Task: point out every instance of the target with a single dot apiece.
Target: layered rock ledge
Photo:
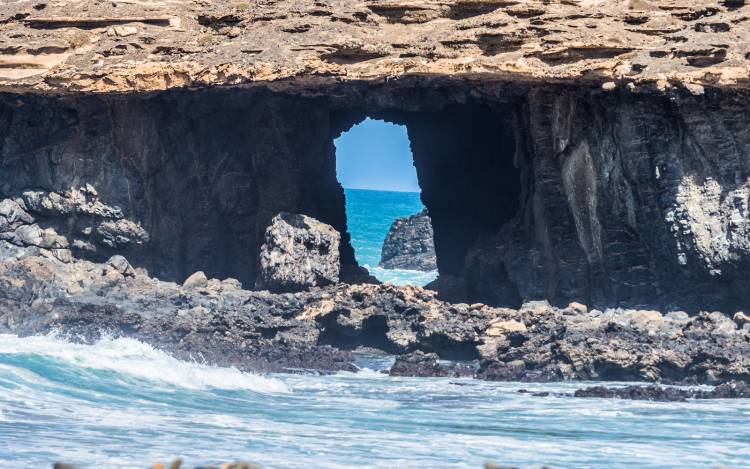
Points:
(122, 46)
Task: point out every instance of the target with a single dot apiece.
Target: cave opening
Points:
(471, 168)
(388, 226)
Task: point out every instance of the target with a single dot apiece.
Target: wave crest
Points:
(139, 360)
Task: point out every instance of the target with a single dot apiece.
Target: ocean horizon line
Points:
(381, 190)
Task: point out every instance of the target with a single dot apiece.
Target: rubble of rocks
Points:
(317, 329)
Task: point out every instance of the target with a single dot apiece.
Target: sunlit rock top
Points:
(124, 45)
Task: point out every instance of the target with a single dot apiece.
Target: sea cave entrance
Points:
(389, 227)
(468, 165)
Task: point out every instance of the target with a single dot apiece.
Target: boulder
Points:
(298, 252)
(409, 244)
(121, 265)
(195, 281)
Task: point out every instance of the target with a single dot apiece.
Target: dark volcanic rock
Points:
(639, 393)
(426, 364)
(317, 329)
(409, 244)
(299, 252)
(562, 193)
(729, 390)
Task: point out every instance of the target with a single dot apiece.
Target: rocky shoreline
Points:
(219, 322)
(311, 321)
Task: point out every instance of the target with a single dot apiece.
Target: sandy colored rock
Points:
(647, 43)
(500, 328)
(195, 281)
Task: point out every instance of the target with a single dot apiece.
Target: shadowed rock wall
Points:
(203, 173)
(556, 193)
(631, 201)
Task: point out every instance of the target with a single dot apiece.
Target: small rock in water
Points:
(728, 390)
(420, 364)
(409, 244)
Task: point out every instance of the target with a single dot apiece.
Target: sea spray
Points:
(120, 403)
(137, 359)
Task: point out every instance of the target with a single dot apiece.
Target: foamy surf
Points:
(120, 403)
(402, 277)
(139, 360)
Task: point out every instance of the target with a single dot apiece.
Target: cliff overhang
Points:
(640, 45)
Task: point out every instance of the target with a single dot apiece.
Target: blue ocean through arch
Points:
(370, 214)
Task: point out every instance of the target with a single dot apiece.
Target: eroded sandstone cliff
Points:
(158, 44)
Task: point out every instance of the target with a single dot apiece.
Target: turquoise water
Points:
(121, 404)
(369, 215)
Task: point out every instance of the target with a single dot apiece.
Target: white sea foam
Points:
(134, 358)
(402, 276)
(126, 416)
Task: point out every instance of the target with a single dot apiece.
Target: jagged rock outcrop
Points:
(46, 220)
(409, 244)
(299, 252)
(317, 329)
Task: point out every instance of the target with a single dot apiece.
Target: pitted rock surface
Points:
(318, 329)
(125, 46)
(299, 252)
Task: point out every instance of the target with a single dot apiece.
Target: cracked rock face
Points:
(299, 252)
(156, 45)
(46, 220)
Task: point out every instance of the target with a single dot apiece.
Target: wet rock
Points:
(731, 390)
(420, 364)
(416, 364)
(641, 393)
(299, 252)
(516, 370)
(728, 390)
(409, 244)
